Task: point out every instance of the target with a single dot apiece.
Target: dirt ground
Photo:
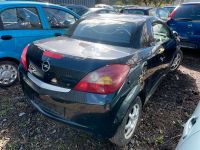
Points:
(22, 127)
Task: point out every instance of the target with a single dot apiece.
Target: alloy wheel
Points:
(8, 74)
(176, 62)
(132, 121)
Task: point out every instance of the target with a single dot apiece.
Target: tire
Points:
(120, 138)
(177, 60)
(8, 73)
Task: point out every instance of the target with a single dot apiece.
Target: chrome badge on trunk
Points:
(45, 66)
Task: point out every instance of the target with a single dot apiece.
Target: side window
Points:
(20, 18)
(160, 33)
(58, 19)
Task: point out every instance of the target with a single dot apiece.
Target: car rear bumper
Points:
(73, 108)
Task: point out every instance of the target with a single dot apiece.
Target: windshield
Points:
(191, 12)
(104, 31)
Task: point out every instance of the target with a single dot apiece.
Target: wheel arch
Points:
(10, 59)
(134, 93)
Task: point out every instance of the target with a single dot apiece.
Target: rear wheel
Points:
(177, 60)
(8, 73)
(127, 128)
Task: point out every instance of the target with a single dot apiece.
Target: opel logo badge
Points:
(45, 66)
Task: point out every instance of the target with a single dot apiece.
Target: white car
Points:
(190, 139)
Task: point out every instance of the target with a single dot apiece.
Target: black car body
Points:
(90, 78)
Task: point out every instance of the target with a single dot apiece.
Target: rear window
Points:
(133, 11)
(187, 12)
(104, 31)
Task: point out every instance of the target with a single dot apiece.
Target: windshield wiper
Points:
(185, 19)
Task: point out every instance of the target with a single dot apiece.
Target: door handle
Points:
(6, 37)
(57, 34)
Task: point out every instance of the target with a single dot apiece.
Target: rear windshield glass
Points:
(134, 11)
(187, 12)
(104, 31)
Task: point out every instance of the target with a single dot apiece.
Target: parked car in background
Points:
(101, 81)
(169, 8)
(161, 13)
(191, 133)
(185, 20)
(104, 6)
(79, 9)
(149, 11)
(118, 8)
(96, 11)
(22, 23)
(136, 10)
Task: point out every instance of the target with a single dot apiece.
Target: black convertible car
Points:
(99, 75)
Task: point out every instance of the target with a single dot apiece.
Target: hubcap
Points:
(132, 121)
(8, 74)
(176, 62)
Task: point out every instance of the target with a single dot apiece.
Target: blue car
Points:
(22, 23)
(185, 20)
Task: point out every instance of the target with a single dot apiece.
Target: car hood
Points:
(79, 48)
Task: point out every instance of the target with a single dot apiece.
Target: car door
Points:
(165, 46)
(58, 20)
(158, 63)
(20, 26)
(6, 41)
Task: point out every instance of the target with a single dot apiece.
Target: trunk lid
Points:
(78, 59)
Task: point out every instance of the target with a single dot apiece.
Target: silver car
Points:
(190, 139)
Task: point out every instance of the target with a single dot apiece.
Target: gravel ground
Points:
(22, 127)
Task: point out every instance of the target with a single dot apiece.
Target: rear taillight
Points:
(172, 13)
(23, 58)
(105, 80)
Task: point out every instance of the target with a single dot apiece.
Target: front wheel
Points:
(127, 128)
(176, 60)
(8, 73)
